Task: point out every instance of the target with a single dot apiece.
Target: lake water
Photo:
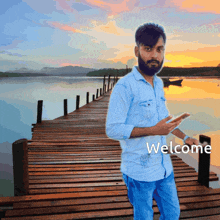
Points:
(18, 110)
(18, 107)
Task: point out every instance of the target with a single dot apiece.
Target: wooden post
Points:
(204, 162)
(65, 106)
(77, 101)
(39, 111)
(20, 167)
(105, 89)
(87, 98)
(93, 97)
(97, 93)
(109, 78)
(100, 91)
(103, 86)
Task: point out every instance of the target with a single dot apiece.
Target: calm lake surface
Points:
(18, 107)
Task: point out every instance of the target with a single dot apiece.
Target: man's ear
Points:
(136, 51)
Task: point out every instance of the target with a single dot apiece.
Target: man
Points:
(138, 118)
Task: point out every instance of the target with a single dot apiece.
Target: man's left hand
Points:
(190, 141)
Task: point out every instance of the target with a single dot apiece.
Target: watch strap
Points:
(184, 139)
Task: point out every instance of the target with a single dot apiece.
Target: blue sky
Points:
(100, 33)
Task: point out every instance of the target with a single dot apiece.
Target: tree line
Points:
(166, 71)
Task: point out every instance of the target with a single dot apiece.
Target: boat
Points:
(167, 82)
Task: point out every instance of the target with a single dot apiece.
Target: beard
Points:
(147, 69)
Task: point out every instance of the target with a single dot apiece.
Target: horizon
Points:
(100, 34)
(110, 68)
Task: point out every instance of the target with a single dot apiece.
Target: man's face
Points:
(150, 59)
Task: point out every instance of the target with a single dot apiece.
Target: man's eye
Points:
(160, 49)
(148, 49)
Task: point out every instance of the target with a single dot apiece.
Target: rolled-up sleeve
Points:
(116, 126)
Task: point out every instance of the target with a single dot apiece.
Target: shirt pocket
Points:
(146, 109)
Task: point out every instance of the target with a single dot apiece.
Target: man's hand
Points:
(164, 128)
(191, 141)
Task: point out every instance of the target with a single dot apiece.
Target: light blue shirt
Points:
(135, 103)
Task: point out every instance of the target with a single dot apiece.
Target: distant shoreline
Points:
(172, 72)
(185, 77)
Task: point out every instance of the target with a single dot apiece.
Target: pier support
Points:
(65, 107)
(109, 78)
(103, 86)
(204, 162)
(39, 111)
(87, 98)
(77, 101)
(20, 167)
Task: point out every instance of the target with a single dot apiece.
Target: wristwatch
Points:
(184, 139)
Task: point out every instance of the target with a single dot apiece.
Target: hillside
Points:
(51, 71)
(66, 71)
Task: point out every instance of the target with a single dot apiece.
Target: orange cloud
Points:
(181, 60)
(186, 46)
(193, 58)
(110, 28)
(198, 5)
(124, 59)
(64, 27)
(124, 53)
(113, 8)
(191, 54)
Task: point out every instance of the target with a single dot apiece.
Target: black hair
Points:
(148, 34)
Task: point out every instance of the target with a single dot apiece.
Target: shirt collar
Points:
(138, 76)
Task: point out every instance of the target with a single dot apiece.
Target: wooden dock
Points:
(74, 173)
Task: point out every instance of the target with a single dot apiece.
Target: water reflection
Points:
(201, 98)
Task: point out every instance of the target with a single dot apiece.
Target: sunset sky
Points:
(100, 33)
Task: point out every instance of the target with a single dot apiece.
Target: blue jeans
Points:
(141, 196)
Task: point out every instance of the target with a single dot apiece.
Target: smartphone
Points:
(181, 117)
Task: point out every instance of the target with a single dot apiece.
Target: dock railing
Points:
(100, 91)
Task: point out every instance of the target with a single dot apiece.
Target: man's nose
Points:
(154, 53)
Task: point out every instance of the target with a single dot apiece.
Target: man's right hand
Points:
(164, 128)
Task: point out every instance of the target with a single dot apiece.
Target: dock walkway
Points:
(74, 173)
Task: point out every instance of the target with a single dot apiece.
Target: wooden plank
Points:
(98, 200)
(79, 201)
(86, 178)
(62, 174)
(82, 215)
(104, 206)
(69, 209)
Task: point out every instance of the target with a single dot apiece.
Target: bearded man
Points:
(138, 117)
